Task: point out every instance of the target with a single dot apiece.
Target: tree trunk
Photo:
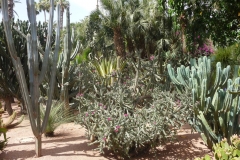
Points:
(8, 105)
(10, 8)
(38, 146)
(130, 45)
(61, 18)
(183, 22)
(12, 100)
(118, 42)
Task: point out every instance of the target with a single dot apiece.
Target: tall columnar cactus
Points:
(66, 57)
(217, 111)
(36, 76)
(8, 80)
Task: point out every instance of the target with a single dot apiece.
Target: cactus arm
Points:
(217, 79)
(10, 119)
(205, 123)
(48, 43)
(233, 110)
(17, 123)
(225, 75)
(66, 62)
(24, 36)
(53, 76)
(17, 63)
(182, 76)
(172, 75)
(75, 51)
(203, 94)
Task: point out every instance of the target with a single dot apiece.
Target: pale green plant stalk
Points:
(32, 101)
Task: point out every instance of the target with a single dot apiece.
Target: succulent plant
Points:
(37, 67)
(216, 111)
(225, 150)
(58, 115)
(3, 131)
(9, 86)
(133, 114)
(108, 68)
(9, 123)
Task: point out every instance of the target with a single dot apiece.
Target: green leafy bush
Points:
(133, 114)
(225, 151)
(227, 56)
(58, 115)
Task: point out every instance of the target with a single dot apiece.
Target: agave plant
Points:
(58, 115)
(108, 68)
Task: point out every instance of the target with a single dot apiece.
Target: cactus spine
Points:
(216, 114)
(32, 101)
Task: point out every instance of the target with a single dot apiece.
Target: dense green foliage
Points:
(199, 18)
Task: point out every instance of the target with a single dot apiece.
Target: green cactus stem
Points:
(36, 75)
(217, 114)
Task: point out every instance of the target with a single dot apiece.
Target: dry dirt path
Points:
(70, 144)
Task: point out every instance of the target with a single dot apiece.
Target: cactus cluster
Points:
(216, 112)
(67, 85)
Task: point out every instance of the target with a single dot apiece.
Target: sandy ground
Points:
(70, 144)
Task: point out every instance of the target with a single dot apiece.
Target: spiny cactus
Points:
(67, 57)
(217, 113)
(36, 75)
(9, 123)
(8, 80)
(3, 131)
(67, 84)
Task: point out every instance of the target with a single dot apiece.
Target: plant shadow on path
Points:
(181, 149)
(57, 148)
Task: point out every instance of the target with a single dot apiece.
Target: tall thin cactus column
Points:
(67, 57)
(31, 96)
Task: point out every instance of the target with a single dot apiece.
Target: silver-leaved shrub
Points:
(134, 114)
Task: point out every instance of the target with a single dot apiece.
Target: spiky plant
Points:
(58, 115)
(108, 68)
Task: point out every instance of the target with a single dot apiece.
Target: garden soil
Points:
(70, 143)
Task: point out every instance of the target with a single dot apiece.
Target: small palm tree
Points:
(43, 5)
(115, 19)
(58, 115)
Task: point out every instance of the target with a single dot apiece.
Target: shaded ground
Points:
(70, 144)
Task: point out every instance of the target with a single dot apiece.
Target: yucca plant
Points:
(58, 115)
